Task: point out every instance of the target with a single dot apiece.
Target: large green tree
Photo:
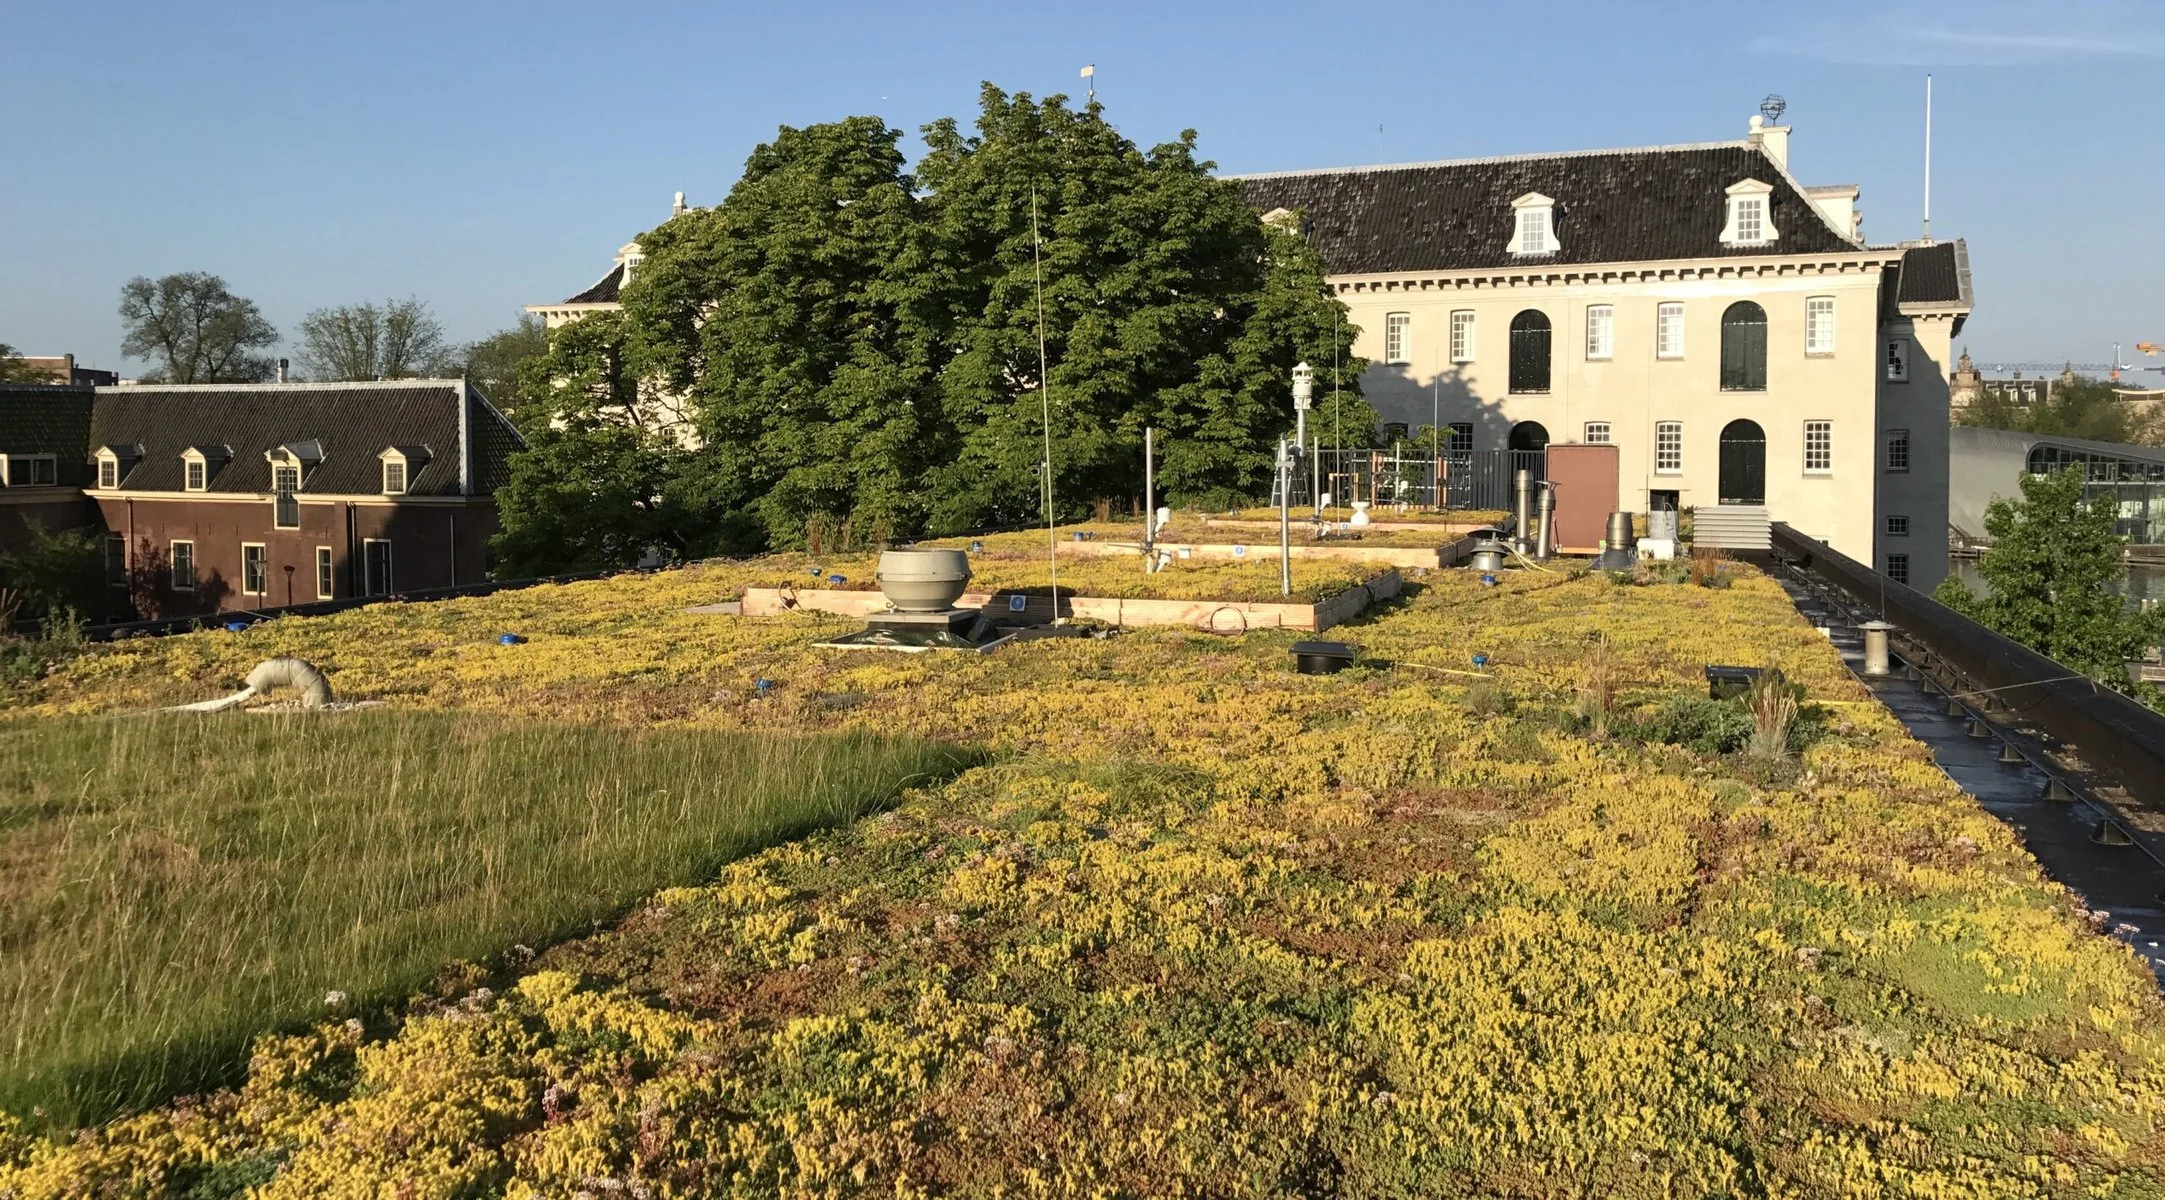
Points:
(2049, 580)
(860, 342)
(193, 329)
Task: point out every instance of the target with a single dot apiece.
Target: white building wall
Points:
(1634, 389)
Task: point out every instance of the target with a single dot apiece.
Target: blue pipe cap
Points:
(236, 626)
(977, 547)
(511, 639)
(762, 686)
(815, 572)
(837, 580)
(1480, 660)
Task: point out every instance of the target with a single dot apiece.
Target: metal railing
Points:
(1413, 476)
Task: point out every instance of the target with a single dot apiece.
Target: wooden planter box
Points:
(1223, 616)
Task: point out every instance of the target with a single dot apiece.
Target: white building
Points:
(1727, 328)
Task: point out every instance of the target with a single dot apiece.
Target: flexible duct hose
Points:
(270, 675)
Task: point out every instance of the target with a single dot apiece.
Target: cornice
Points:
(1859, 262)
(319, 498)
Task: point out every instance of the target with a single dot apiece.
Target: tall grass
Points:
(171, 885)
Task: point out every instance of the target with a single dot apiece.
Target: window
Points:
(285, 481)
(197, 475)
(1744, 348)
(1897, 526)
(1898, 360)
(1818, 447)
(1669, 331)
(1533, 229)
(1600, 331)
(1669, 448)
(255, 569)
(325, 579)
(116, 560)
(1898, 567)
(108, 471)
(394, 477)
(1819, 325)
(1898, 451)
(1461, 440)
(38, 470)
(1394, 339)
(1530, 351)
(376, 567)
(1462, 335)
(1751, 220)
(182, 555)
(1597, 433)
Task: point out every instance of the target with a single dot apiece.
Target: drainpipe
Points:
(128, 558)
(454, 549)
(350, 582)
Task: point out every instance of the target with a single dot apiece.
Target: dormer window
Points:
(194, 471)
(114, 463)
(399, 466)
(1751, 217)
(1533, 229)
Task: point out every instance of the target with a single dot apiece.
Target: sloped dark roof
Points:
(604, 291)
(1935, 274)
(352, 422)
(48, 419)
(1664, 202)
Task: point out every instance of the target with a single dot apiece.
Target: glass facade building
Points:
(2136, 486)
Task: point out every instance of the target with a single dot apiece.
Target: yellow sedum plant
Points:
(1208, 928)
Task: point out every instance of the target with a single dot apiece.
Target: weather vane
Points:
(1773, 107)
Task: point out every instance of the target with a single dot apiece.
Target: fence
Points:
(1469, 479)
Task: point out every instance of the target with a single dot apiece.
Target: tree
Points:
(598, 485)
(2082, 408)
(14, 370)
(493, 363)
(2049, 576)
(398, 340)
(55, 571)
(193, 329)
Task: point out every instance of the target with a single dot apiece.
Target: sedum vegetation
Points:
(1206, 927)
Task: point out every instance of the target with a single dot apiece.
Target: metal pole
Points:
(1315, 488)
(1285, 519)
(1150, 502)
(1044, 395)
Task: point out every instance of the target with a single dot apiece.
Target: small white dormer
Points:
(200, 464)
(399, 465)
(1533, 225)
(114, 463)
(1751, 214)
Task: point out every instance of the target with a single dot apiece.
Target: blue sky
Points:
(483, 156)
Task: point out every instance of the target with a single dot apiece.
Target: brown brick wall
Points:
(432, 546)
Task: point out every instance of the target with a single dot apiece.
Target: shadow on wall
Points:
(151, 592)
(1415, 403)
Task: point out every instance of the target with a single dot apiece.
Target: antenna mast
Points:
(1928, 159)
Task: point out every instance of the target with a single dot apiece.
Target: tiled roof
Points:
(604, 291)
(1936, 274)
(1664, 202)
(48, 419)
(352, 423)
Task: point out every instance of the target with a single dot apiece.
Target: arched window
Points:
(1530, 351)
(1744, 348)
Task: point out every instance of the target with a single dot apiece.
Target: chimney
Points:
(1773, 139)
(281, 370)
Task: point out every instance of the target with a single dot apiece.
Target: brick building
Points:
(244, 496)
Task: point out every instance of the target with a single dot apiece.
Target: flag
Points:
(1090, 71)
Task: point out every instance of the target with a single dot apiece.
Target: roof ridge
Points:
(1735, 144)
